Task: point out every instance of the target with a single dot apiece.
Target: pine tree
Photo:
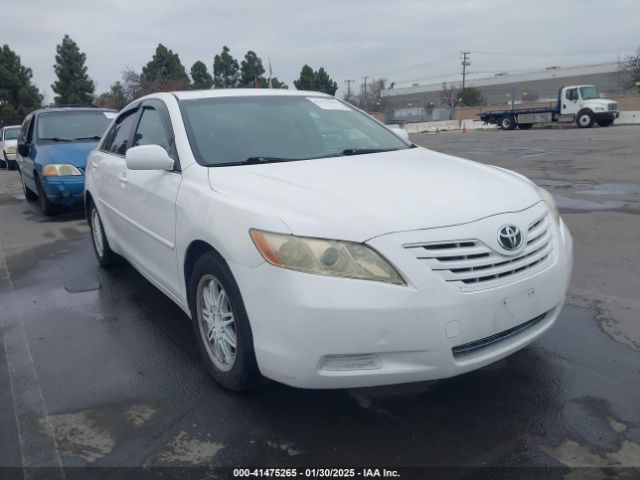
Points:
(165, 71)
(275, 83)
(319, 81)
(73, 85)
(306, 80)
(18, 96)
(225, 70)
(251, 71)
(202, 79)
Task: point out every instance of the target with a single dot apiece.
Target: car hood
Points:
(601, 102)
(73, 153)
(359, 197)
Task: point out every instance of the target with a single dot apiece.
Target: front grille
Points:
(471, 263)
(613, 107)
(477, 346)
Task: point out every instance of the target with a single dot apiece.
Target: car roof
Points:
(67, 109)
(244, 92)
(9, 126)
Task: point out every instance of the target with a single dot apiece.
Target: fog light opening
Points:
(369, 361)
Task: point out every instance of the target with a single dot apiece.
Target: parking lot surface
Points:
(98, 368)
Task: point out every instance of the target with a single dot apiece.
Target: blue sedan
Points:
(52, 148)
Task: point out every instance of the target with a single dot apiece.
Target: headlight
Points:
(599, 109)
(11, 149)
(548, 198)
(324, 257)
(59, 170)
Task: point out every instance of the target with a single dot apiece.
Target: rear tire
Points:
(508, 122)
(584, 119)
(105, 256)
(48, 208)
(221, 324)
(525, 126)
(28, 193)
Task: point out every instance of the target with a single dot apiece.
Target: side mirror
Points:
(401, 132)
(23, 149)
(148, 157)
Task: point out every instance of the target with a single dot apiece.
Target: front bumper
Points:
(299, 320)
(609, 115)
(64, 191)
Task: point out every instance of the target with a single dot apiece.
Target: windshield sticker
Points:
(110, 114)
(328, 103)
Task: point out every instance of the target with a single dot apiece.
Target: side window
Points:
(572, 94)
(151, 131)
(26, 132)
(118, 137)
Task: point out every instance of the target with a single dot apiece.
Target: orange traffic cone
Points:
(464, 128)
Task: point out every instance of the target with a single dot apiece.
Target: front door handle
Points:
(123, 178)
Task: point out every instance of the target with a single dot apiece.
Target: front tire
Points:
(221, 324)
(28, 193)
(48, 208)
(105, 256)
(508, 122)
(585, 119)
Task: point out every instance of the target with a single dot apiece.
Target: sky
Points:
(405, 41)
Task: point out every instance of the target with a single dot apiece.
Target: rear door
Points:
(147, 200)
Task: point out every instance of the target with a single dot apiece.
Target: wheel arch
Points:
(195, 250)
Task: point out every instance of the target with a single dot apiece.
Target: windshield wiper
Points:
(363, 151)
(255, 160)
(94, 137)
(56, 139)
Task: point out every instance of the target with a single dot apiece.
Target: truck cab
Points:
(582, 104)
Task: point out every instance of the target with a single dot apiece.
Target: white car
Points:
(8, 145)
(314, 246)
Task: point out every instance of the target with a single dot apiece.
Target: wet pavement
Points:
(101, 369)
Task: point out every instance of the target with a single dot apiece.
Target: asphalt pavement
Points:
(99, 369)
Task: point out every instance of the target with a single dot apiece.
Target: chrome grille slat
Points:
(471, 264)
(494, 270)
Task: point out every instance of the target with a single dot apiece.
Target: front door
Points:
(570, 101)
(148, 201)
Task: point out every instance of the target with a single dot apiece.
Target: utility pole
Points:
(349, 82)
(269, 84)
(365, 86)
(466, 61)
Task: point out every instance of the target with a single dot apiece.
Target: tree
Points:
(202, 79)
(318, 81)
(370, 99)
(629, 73)
(165, 72)
(306, 81)
(324, 83)
(275, 83)
(73, 85)
(18, 96)
(115, 98)
(471, 97)
(225, 70)
(251, 71)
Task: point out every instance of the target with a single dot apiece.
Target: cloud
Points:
(405, 41)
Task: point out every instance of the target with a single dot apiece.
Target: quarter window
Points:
(118, 140)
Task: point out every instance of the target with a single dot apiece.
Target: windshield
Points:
(73, 126)
(11, 133)
(587, 93)
(253, 129)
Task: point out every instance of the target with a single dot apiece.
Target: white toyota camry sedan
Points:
(312, 245)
